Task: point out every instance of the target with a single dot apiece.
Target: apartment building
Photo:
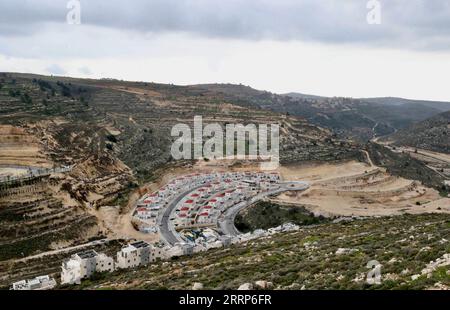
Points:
(134, 255)
(82, 265)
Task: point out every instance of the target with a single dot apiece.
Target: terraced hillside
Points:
(132, 120)
(432, 134)
(99, 142)
(35, 218)
(350, 118)
(114, 135)
(353, 189)
(19, 148)
(37, 211)
(404, 165)
(412, 250)
(442, 106)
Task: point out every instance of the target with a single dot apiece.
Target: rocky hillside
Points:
(432, 134)
(37, 211)
(412, 249)
(114, 135)
(349, 118)
(404, 165)
(442, 106)
(132, 120)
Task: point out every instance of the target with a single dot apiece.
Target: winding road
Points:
(166, 230)
(226, 220)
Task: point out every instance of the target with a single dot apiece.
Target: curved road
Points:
(226, 220)
(166, 230)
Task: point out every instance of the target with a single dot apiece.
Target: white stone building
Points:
(134, 255)
(38, 283)
(82, 265)
(104, 263)
(71, 272)
(156, 253)
(179, 249)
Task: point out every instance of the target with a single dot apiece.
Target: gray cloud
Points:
(413, 24)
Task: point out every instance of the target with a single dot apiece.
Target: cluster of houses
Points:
(208, 195)
(204, 205)
(205, 239)
(84, 264)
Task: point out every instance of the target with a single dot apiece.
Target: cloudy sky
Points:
(323, 47)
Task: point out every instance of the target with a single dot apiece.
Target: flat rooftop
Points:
(87, 254)
(140, 244)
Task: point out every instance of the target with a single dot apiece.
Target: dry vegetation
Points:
(116, 135)
(307, 259)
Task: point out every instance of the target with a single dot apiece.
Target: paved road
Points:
(226, 221)
(166, 229)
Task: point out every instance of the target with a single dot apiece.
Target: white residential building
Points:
(274, 176)
(79, 266)
(82, 265)
(38, 283)
(204, 218)
(104, 263)
(156, 253)
(179, 249)
(133, 255)
(71, 272)
(173, 251)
